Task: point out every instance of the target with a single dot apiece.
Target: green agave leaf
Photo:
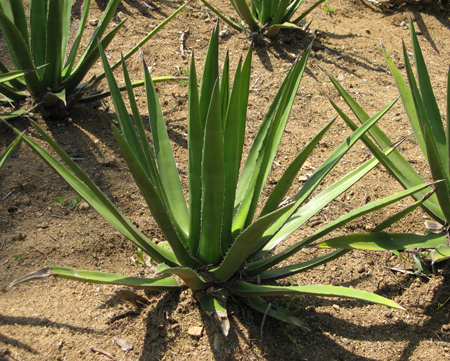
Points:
(280, 11)
(408, 101)
(266, 11)
(439, 171)
(155, 204)
(245, 13)
(6, 8)
(269, 241)
(288, 177)
(11, 94)
(225, 88)
(245, 86)
(192, 279)
(20, 19)
(38, 31)
(441, 253)
(278, 124)
(13, 114)
(292, 8)
(51, 99)
(232, 156)
(139, 158)
(432, 126)
(66, 16)
(11, 75)
(52, 73)
(296, 217)
(275, 311)
(448, 115)
(152, 284)
(127, 127)
(274, 29)
(88, 62)
(21, 53)
(399, 215)
(96, 198)
(291, 270)
(76, 43)
(244, 244)
(168, 172)
(264, 147)
(210, 75)
(255, 268)
(397, 165)
(245, 289)
(8, 150)
(214, 306)
(143, 151)
(212, 184)
(195, 149)
(384, 241)
(434, 116)
(15, 83)
(103, 24)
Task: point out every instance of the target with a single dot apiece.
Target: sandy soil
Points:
(63, 320)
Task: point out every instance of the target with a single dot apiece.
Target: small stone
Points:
(93, 22)
(83, 206)
(361, 269)
(302, 178)
(50, 209)
(336, 307)
(368, 31)
(20, 236)
(43, 225)
(370, 262)
(207, 20)
(195, 331)
(123, 344)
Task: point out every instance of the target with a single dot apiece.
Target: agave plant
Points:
(433, 139)
(267, 15)
(224, 242)
(44, 40)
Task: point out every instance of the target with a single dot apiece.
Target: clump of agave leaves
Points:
(267, 16)
(42, 38)
(434, 142)
(218, 245)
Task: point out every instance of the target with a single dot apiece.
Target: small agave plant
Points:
(41, 38)
(224, 242)
(267, 16)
